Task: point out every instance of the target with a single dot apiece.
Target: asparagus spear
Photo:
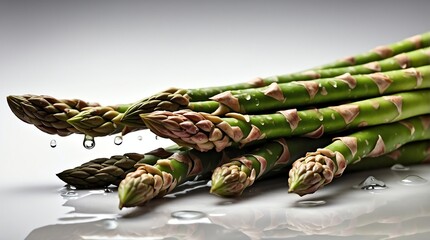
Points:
(318, 168)
(304, 93)
(203, 131)
(409, 154)
(102, 172)
(382, 52)
(100, 121)
(47, 113)
(231, 178)
(150, 181)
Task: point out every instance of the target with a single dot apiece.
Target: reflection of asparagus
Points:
(150, 181)
(47, 113)
(204, 131)
(318, 168)
(415, 58)
(102, 172)
(230, 179)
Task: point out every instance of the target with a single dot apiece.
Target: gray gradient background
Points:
(121, 51)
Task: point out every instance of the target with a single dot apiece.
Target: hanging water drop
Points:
(248, 97)
(139, 138)
(312, 203)
(371, 183)
(188, 215)
(118, 140)
(413, 180)
(53, 143)
(89, 142)
(399, 167)
(70, 187)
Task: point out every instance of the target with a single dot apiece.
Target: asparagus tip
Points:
(231, 180)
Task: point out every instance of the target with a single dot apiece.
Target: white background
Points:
(121, 51)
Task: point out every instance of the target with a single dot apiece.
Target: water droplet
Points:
(333, 83)
(371, 183)
(257, 103)
(53, 143)
(139, 138)
(399, 167)
(188, 215)
(156, 137)
(71, 193)
(110, 224)
(89, 142)
(413, 180)
(248, 97)
(108, 190)
(118, 140)
(311, 203)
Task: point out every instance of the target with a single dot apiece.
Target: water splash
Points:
(399, 167)
(118, 140)
(371, 183)
(139, 138)
(311, 203)
(53, 143)
(89, 142)
(413, 180)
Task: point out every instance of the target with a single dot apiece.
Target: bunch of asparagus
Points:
(361, 112)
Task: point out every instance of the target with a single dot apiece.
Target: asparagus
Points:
(102, 172)
(150, 181)
(100, 121)
(47, 113)
(305, 93)
(317, 169)
(415, 58)
(204, 131)
(382, 52)
(233, 177)
(409, 154)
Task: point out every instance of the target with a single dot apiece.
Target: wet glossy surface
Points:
(265, 211)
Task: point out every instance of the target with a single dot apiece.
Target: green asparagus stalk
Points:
(415, 58)
(150, 181)
(313, 92)
(233, 177)
(204, 131)
(382, 52)
(102, 172)
(410, 154)
(47, 113)
(317, 169)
